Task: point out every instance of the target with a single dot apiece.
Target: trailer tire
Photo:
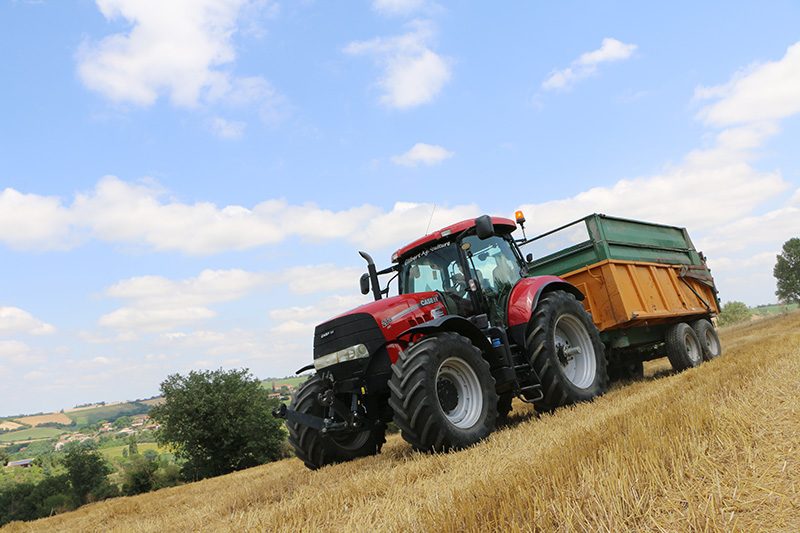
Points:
(683, 347)
(443, 393)
(561, 323)
(317, 450)
(709, 340)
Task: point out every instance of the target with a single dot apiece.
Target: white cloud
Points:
(227, 129)
(586, 65)
(14, 320)
(320, 278)
(158, 304)
(421, 153)
(182, 49)
(138, 213)
(14, 351)
(766, 92)
(413, 74)
(397, 7)
(30, 221)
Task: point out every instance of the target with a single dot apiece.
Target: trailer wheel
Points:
(683, 347)
(443, 393)
(565, 350)
(317, 450)
(709, 340)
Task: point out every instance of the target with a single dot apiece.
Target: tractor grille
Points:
(346, 331)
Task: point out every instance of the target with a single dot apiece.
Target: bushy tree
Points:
(218, 421)
(3, 457)
(122, 422)
(787, 272)
(139, 475)
(733, 312)
(87, 472)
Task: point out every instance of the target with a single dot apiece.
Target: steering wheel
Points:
(459, 285)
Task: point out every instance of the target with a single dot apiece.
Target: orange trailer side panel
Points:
(627, 293)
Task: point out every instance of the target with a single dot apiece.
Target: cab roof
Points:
(501, 226)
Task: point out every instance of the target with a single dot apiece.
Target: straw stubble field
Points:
(713, 448)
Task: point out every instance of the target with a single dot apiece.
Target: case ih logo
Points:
(326, 334)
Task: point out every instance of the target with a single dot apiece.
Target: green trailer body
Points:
(638, 278)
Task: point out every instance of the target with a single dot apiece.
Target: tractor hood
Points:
(363, 331)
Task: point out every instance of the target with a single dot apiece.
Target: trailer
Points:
(640, 279)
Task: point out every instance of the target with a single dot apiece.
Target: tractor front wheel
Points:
(317, 450)
(443, 393)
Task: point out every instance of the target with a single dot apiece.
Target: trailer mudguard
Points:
(524, 298)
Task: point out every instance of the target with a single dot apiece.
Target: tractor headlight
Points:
(359, 351)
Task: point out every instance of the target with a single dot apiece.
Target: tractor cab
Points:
(472, 275)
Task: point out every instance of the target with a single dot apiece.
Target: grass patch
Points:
(116, 451)
(31, 434)
(107, 412)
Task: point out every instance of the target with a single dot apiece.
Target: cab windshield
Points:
(435, 269)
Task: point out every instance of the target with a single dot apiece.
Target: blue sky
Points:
(187, 186)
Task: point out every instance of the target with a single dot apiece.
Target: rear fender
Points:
(525, 297)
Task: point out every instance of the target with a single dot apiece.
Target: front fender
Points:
(453, 323)
(525, 296)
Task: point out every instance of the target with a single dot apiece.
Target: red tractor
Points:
(467, 332)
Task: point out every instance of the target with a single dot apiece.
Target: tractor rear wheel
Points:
(317, 450)
(443, 393)
(709, 340)
(683, 347)
(565, 350)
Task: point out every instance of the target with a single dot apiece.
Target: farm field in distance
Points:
(116, 451)
(714, 448)
(35, 420)
(30, 434)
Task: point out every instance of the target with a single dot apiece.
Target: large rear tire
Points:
(443, 393)
(683, 347)
(317, 450)
(565, 350)
(709, 340)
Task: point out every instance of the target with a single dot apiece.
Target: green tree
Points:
(133, 447)
(218, 421)
(87, 472)
(139, 475)
(787, 272)
(3, 457)
(733, 312)
(122, 422)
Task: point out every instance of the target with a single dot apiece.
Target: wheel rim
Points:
(459, 392)
(575, 351)
(692, 348)
(712, 343)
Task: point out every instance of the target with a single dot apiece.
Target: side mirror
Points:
(529, 258)
(484, 227)
(364, 283)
